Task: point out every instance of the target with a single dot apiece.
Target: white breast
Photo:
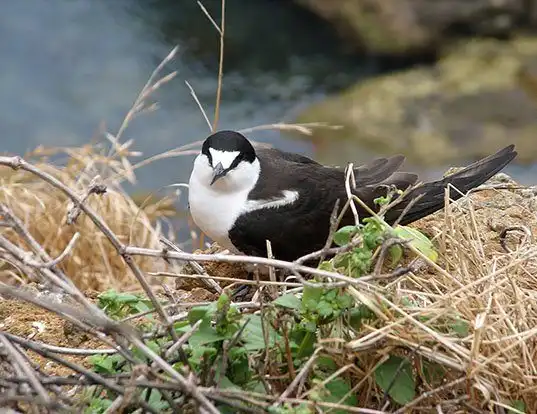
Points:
(215, 212)
(215, 208)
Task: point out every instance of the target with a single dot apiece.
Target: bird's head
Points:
(227, 162)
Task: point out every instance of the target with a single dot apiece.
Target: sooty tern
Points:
(240, 196)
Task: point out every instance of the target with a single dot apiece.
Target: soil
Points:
(31, 322)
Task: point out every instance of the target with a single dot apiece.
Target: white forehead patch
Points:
(225, 157)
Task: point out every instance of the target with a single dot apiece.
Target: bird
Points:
(241, 196)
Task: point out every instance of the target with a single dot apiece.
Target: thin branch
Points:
(142, 95)
(208, 15)
(69, 351)
(281, 264)
(30, 374)
(182, 340)
(303, 372)
(18, 163)
(210, 283)
(200, 106)
(221, 32)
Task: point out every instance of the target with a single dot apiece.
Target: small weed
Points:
(372, 233)
(120, 305)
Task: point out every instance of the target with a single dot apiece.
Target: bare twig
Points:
(183, 339)
(18, 163)
(221, 32)
(281, 264)
(74, 211)
(207, 280)
(69, 351)
(148, 88)
(200, 106)
(23, 365)
(303, 372)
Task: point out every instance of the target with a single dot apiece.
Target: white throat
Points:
(226, 158)
(215, 208)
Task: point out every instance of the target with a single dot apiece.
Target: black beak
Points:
(218, 172)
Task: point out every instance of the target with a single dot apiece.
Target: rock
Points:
(406, 26)
(501, 219)
(479, 97)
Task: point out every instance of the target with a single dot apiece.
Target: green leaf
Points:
(338, 390)
(102, 364)
(141, 306)
(461, 328)
(396, 375)
(288, 301)
(205, 335)
(196, 314)
(113, 296)
(309, 326)
(343, 235)
(381, 200)
(252, 335)
(199, 353)
(127, 298)
(326, 363)
(225, 382)
(98, 406)
(517, 405)
(155, 400)
(331, 294)
(327, 265)
(324, 308)
(306, 339)
(418, 241)
(239, 371)
(344, 301)
(222, 302)
(255, 386)
(358, 315)
(311, 297)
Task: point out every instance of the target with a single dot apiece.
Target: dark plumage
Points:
(303, 227)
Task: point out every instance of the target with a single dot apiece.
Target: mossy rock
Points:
(402, 27)
(480, 96)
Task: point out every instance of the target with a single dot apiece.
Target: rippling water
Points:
(68, 65)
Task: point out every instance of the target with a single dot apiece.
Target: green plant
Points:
(395, 377)
(119, 305)
(372, 233)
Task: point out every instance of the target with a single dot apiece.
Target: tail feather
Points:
(377, 170)
(432, 193)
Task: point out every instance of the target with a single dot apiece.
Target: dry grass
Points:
(92, 263)
(491, 291)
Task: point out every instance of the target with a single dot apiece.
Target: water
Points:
(68, 65)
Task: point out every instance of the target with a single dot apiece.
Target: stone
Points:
(409, 26)
(479, 97)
